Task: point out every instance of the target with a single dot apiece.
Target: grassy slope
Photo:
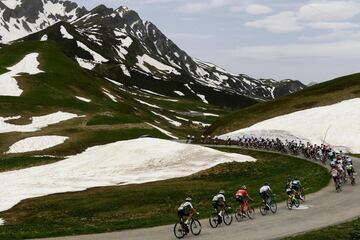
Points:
(319, 95)
(151, 204)
(104, 121)
(345, 231)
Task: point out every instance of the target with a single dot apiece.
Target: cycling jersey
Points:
(186, 206)
(349, 167)
(265, 189)
(334, 173)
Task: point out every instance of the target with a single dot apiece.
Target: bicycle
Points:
(181, 229)
(248, 211)
(292, 201)
(352, 179)
(269, 206)
(226, 217)
(338, 185)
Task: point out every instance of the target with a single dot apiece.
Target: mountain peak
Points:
(11, 4)
(123, 9)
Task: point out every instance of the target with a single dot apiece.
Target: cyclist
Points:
(350, 170)
(218, 203)
(288, 187)
(265, 192)
(296, 186)
(335, 174)
(240, 197)
(187, 210)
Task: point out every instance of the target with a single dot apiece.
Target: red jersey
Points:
(241, 193)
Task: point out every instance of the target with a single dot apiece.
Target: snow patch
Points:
(201, 124)
(107, 93)
(153, 93)
(120, 163)
(83, 99)
(337, 125)
(36, 144)
(179, 93)
(173, 122)
(114, 82)
(96, 56)
(202, 97)
(125, 70)
(36, 124)
(147, 104)
(12, 4)
(211, 115)
(167, 133)
(87, 64)
(8, 84)
(154, 63)
(65, 33)
(44, 38)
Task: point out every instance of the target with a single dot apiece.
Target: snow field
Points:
(36, 124)
(125, 162)
(337, 124)
(36, 144)
(8, 84)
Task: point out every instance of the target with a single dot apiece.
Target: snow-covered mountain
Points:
(118, 43)
(19, 18)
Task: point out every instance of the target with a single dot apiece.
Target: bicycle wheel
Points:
(195, 227)
(273, 207)
(250, 212)
(297, 203)
(213, 220)
(239, 216)
(179, 231)
(227, 218)
(263, 209)
(289, 203)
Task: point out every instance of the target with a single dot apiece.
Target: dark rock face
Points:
(132, 45)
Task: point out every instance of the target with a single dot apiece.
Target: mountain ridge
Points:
(132, 44)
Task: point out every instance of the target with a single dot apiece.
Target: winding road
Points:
(321, 209)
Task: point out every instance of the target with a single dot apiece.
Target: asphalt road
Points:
(321, 209)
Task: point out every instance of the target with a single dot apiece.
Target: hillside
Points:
(322, 94)
(56, 97)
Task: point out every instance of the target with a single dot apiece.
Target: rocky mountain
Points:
(117, 43)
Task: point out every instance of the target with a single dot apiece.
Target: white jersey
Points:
(185, 205)
(265, 189)
(218, 197)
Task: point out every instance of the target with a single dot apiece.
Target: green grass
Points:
(15, 163)
(318, 95)
(345, 231)
(152, 204)
(112, 120)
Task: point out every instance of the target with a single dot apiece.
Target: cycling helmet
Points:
(244, 187)
(222, 192)
(188, 199)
